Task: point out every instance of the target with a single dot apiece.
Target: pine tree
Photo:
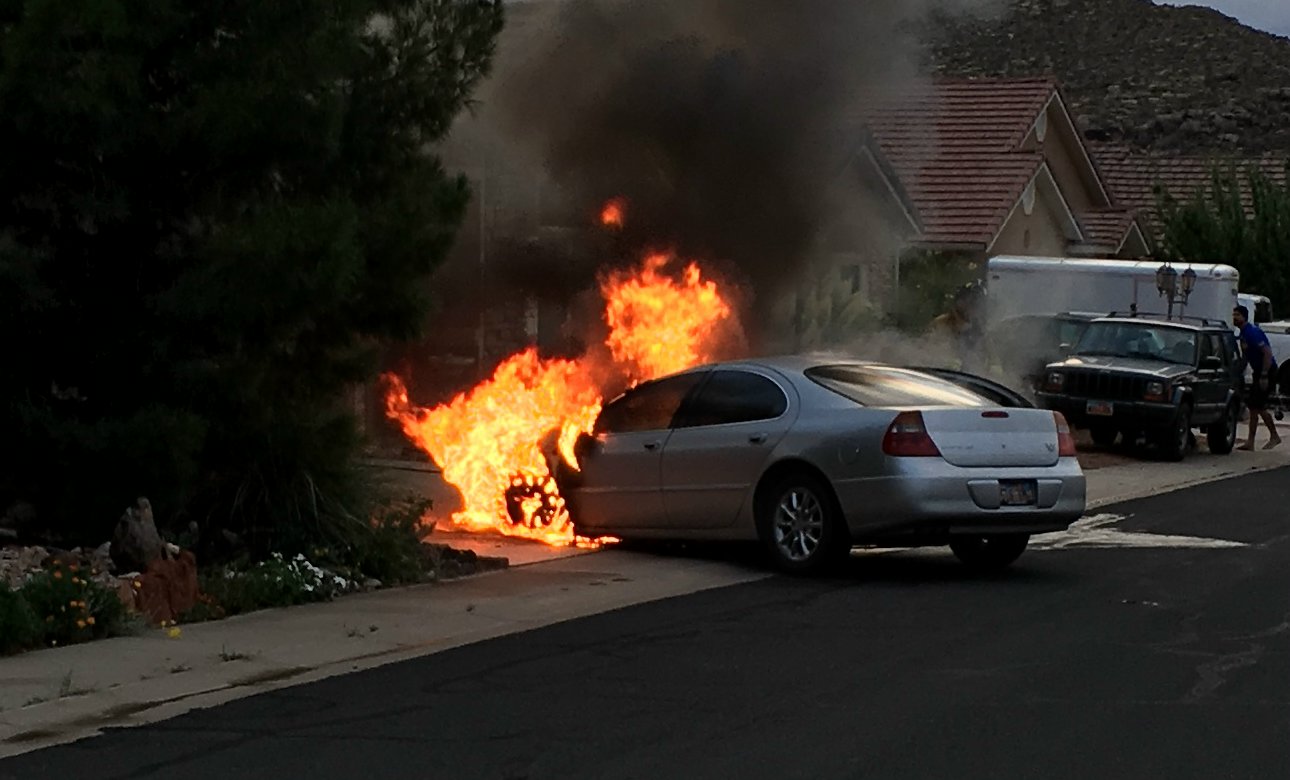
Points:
(212, 217)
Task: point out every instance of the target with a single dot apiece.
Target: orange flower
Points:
(58, 575)
(80, 624)
(90, 620)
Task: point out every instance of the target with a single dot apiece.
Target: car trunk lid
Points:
(994, 437)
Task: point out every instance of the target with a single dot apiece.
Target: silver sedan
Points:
(815, 456)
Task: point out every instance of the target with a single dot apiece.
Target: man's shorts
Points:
(1258, 398)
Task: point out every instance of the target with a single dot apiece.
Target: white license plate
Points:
(1101, 408)
(1018, 493)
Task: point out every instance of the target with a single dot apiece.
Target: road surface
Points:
(1151, 641)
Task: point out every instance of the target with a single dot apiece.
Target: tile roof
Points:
(954, 145)
(1132, 176)
(1106, 228)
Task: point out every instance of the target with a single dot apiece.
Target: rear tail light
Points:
(907, 437)
(1065, 441)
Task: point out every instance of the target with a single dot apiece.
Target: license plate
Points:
(1101, 408)
(1018, 493)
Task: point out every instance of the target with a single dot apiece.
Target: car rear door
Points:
(620, 466)
(720, 446)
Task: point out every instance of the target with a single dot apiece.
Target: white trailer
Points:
(1017, 286)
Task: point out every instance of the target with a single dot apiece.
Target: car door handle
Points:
(757, 438)
(652, 445)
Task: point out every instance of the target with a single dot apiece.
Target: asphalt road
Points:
(1118, 662)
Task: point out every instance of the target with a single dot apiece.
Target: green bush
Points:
(389, 548)
(70, 608)
(19, 629)
(276, 582)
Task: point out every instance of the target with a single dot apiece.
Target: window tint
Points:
(734, 397)
(647, 407)
(880, 386)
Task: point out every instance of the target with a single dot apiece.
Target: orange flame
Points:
(658, 325)
(613, 214)
(489, 441)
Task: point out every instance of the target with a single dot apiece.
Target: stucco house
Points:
(996, 166)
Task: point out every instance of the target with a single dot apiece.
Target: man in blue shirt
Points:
(1258, 353)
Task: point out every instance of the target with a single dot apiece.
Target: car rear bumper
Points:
(1138, 414)
(932, 497)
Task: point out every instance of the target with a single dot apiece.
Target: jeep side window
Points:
(1212, 346)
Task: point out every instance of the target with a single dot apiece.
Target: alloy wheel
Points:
(799, 524)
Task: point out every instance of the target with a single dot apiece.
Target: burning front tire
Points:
(534, 503)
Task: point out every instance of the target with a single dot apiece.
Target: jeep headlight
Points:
(1056, 381)
(1156, 391)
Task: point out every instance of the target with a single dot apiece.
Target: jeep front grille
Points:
(1107, 386)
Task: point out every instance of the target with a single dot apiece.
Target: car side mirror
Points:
(1064, 347)
(1211, 363)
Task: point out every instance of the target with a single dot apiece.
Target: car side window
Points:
(649, 406)
(734, 397)
(1212, 346)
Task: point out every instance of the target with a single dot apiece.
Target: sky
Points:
(1270, 15)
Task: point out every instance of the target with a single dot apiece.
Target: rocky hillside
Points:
(1163, 78)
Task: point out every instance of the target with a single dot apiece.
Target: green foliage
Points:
(928, 284)
(275, 582)
(70, 608)
(390, 549)
(829, 310)
(1243, 221)
(212, 218)
(19, 628)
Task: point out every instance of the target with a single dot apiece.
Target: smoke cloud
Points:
(729, 127)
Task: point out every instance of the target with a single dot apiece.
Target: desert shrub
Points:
(70, 608)
(19, 629)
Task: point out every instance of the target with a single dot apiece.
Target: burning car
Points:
(814, 456)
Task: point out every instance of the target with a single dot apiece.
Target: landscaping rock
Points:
(18, 563)
(136, 542)
(168, 588)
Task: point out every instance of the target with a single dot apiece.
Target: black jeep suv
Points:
(1144, 375)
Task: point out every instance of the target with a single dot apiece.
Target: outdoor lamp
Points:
(1188, 283)
(1167, 280)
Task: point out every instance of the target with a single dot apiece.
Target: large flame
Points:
(489, 441)
(658, 325)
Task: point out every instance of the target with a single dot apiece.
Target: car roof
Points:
(1176, 324)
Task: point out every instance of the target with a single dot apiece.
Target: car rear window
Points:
(895, 387)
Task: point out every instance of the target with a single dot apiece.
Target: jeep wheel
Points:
(1103, 435)
(1175, 439)
(1222, 434)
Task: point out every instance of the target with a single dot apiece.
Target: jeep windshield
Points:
(1144, 341)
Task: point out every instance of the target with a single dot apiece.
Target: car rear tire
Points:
(1175, 440)
(991, 552)
(1103, 436)
(801, 525)
(1221, 435)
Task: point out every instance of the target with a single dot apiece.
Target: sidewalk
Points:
(64, 694)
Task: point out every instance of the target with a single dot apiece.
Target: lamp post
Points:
(1174, 286)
